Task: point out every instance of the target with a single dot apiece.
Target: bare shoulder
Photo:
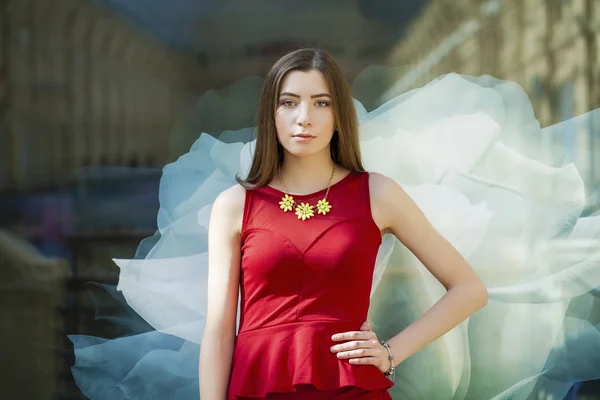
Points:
(228, 207)
(387, 197)
(232, 197)
(381, 187)
(378, 183)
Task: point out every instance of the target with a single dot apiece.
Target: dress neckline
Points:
(335, 185)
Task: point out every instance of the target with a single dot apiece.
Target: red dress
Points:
(302, 282)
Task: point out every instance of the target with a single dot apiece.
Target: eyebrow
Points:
(312, 97)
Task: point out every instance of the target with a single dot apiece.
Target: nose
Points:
(303, 117)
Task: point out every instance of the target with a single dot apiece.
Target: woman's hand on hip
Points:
(361, 348)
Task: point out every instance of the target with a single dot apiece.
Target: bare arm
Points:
(224, 255)
(395, 212)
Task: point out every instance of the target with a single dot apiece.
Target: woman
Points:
(300, 235)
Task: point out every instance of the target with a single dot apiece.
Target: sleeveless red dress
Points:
(302, 282)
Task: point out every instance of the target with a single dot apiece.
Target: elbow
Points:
(480, 294)
(219, 333)
(474, 293)
(484, 296)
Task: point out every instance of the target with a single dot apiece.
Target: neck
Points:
(306, 174)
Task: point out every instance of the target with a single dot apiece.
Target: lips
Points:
(304, 135)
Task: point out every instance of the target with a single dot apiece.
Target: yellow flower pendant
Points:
(304, 211)
(323, 207)
(286, 203)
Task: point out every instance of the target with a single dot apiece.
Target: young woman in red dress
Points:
(295, 243)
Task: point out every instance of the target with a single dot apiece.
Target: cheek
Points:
(326, 121)
(326, 116)
(328, 135)
(280, 124)
(283, 117)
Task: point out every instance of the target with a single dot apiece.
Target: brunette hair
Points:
(268, 155)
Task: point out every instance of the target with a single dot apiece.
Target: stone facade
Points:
(81, 85)
(549, 47)
(78, 87)
(32, 296)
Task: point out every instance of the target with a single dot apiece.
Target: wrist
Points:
(391, 364)
(397, 351)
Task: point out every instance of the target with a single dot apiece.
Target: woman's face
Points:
(304, 115)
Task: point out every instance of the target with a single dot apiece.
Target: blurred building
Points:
(549, 47)
(32, 295)
(79, 86)
(236, 39)
(101, 82)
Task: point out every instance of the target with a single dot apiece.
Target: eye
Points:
(322, 103)
(287, 103)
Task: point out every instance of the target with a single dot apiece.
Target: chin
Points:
(305, 150)
(301, 153)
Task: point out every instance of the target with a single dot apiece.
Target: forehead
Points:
(304, 82)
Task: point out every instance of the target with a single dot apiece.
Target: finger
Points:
(357, 344)
(353, 335)
(366, 326)
(358, 353)
(364, 361)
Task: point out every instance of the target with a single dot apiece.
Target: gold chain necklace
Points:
(305, 211)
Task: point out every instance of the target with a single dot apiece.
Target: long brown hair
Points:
(345, 148)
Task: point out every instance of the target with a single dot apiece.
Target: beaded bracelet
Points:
(389, 372)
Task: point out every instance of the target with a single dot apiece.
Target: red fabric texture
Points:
(309, 392)
(302, 282)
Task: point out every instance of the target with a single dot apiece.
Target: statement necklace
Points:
(305, 211)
